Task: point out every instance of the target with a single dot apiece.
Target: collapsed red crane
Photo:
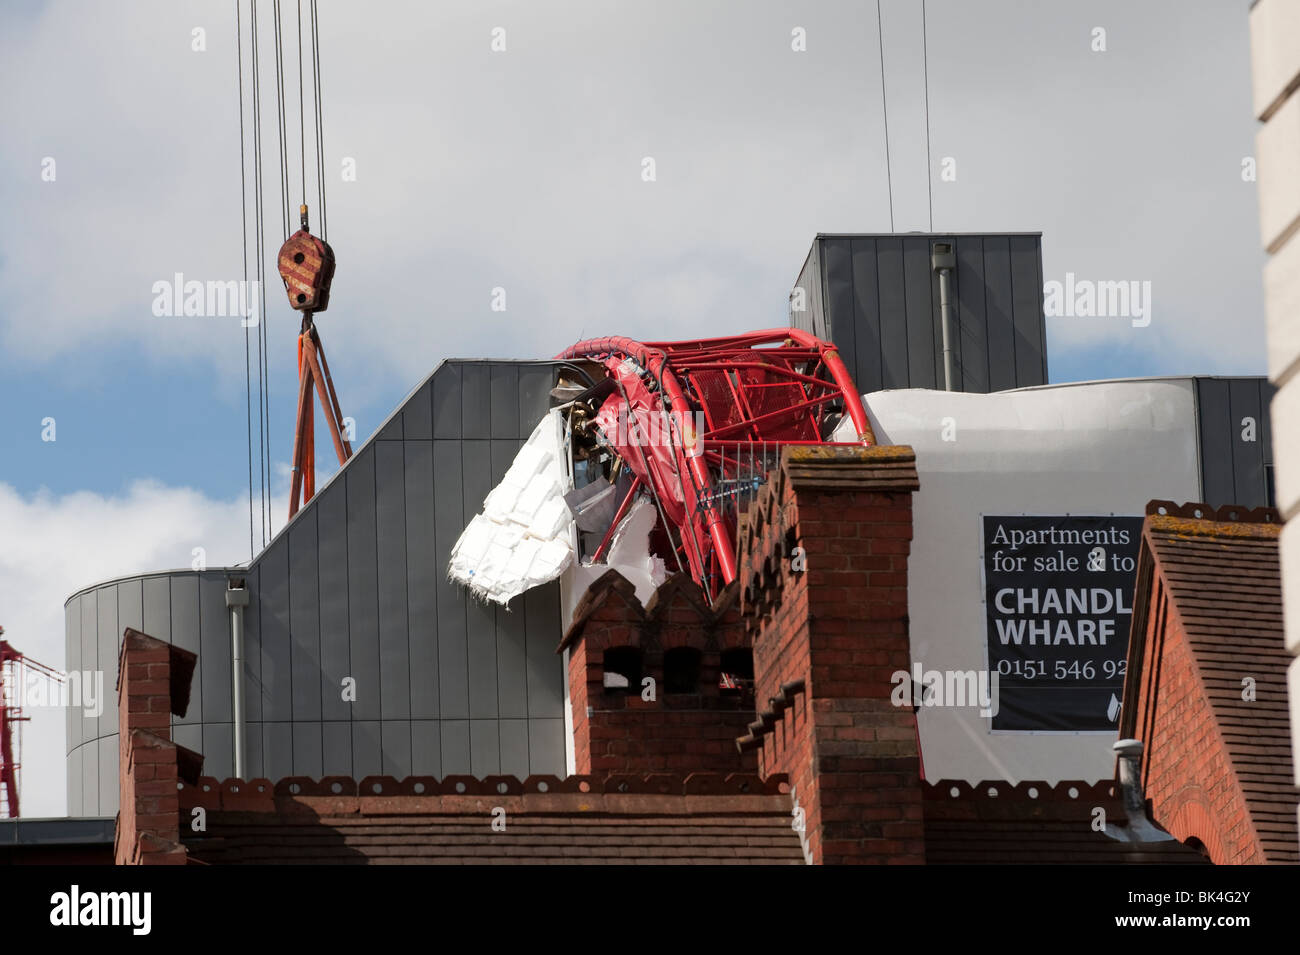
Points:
(700, 422)
(14, 667)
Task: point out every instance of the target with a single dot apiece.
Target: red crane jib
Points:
(695, 419)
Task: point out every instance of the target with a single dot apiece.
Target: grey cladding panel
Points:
(448, 507)
(839, 291)
(480, 616)
(968, 288)
(109, 791)
(304, 615)
(158, 608)
(130, 610)
(866, 303)
(892, 299)
(1217, 486)
(918, 279)
(446, 387)
(332, 569)
(1248, 440)
(390, 521)
(214, 653)
(185, 633)
(998, 313)
(253, 654)
(78, 727)
(337, 745)
(307, 750)
(514, 748)
(417, 415)
(505, 400)
(273, 630)
(1027, 309)
(535, 383)
(426, 748)
(476, 400)
(512, 659)
(546, 747)
(422, 574)
(545, 666)
(366, 758)
(218, 750)
(363, 598)
(277, 750)
(455, 747)
(395, 736)
(485, 747)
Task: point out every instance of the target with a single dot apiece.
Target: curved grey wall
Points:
(356, 587)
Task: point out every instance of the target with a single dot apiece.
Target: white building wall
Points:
(1275, 55)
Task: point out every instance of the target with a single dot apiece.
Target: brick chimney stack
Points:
(823, 568)
(690, 724)
(153, 682)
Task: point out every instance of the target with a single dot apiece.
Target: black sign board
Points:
(1058, 594)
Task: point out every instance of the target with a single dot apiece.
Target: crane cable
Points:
(257, 344)
(243, 238)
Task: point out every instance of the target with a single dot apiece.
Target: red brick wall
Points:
(148, 822)
(840, 624)
(674, 733)
(1188, 775)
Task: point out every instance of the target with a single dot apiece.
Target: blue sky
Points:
(521, 169)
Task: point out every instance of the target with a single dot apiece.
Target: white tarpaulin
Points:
(524, 535)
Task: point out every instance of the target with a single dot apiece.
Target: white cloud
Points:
(54, 545)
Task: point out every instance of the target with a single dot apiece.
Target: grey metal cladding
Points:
(390, 523)
(535, 383)
(331, 508)
(476, 400)
(304, 617)
(417, 414)
(395, 748)
(505, 400)
(1247, 443)
(426, 748)
(455, 747)
(422, 572)
(968, 289)
(363, 594)
(1217, 479)
(1235, 440)
(308, 748)
(366, 758)
(185, 634)
(480, 617)
(838, 258)
(448, 510)
(446, 385)
(881, 309)
(336, 748)
(253, 652)
(891, 318)
(998, 313)
(1027, 309)
(920, 293)
(275, 643)
(357, 587)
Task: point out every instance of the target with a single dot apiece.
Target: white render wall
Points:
(1092, 448)
(1275, 55)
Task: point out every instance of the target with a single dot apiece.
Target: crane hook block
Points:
(307, 266)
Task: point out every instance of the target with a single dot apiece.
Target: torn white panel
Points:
(629, 554)
(524, 536)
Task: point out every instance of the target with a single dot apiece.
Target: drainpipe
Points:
(943, 260)
(1140, 828)
(237, 600)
